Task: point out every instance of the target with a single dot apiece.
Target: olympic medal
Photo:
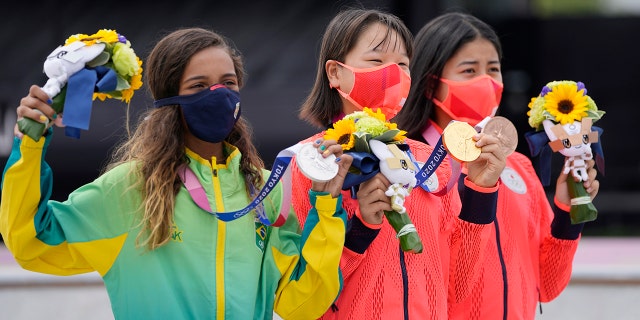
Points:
(457, 138)
(505, 131)
(314, 166)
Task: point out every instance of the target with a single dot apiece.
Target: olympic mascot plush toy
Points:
(398, 169)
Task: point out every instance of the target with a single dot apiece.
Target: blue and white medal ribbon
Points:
(280, 171)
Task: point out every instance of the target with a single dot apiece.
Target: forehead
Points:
(478, 49)
(378, 37)
(211, 61)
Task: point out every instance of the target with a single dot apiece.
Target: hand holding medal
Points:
(314, 166)
(483, 155)
(324, 164)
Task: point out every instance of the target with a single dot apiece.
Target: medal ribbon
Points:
(432, 163)
(280, 171)
(432, 137)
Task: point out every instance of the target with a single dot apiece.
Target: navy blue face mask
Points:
(210, 114)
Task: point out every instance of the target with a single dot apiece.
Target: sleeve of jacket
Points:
(359, 234)
(60, 238)
(471, 233)
(300, 193)
(311, 279)
(557, 249)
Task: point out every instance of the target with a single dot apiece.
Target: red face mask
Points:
(385, 87)
(471, 100)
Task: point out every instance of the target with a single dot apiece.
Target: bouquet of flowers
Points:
(86, 67)
(565, 112)
(376, 146)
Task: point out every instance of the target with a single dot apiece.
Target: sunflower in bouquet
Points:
(377, 146)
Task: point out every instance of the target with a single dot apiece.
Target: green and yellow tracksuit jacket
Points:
(209, 270)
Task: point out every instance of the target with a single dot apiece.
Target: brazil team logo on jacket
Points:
(261, 234)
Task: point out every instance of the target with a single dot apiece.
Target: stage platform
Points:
(605, 285)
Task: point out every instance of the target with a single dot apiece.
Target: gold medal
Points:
(457, 138)
(505, 131)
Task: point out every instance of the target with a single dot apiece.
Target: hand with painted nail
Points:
(334, 186)
(36, 106)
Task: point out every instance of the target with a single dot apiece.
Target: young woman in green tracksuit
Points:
(160, 254)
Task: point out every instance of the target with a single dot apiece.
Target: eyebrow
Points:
(473, 62)
(231, 74)
(398, 42)
(200, 77)
(378, 50)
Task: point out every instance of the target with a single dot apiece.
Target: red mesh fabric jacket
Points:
(377, 282)
(538, 265)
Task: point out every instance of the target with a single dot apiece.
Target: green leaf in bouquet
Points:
(122, 84)
(387, 136)
(108, 48)
(595, 114)
(100, 60)
(115, 94)
(361, 142)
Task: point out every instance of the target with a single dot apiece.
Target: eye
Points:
(403, 164)
(566, 143)
(469, 71)
(229, 83)
(198, 85)
(585, 138)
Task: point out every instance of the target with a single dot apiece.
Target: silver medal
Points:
(313, 165)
